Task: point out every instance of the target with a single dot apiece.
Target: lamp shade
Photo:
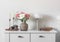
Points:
(58, 17)
(36, 16)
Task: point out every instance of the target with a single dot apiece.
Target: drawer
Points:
(19, 37)
(6, 37)
(42, 37)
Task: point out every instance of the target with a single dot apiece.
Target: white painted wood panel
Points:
(6, 37)
(19, 37)
(42, 37)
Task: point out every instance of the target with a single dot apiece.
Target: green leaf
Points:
(24, 19)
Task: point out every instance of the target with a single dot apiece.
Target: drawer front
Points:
(6, 38)
(19, 37)
(42, 37)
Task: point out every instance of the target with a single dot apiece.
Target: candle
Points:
(9, 20)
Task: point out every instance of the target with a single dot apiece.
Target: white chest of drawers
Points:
(30, 36)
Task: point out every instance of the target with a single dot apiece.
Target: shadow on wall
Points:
(58, 37)
(32, 22)
(43, 22)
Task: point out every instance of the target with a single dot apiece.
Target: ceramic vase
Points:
(23, 26)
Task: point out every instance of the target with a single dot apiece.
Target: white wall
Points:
(46, 7)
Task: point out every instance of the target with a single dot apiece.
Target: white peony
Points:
(21, 16)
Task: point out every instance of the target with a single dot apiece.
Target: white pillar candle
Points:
(9, 19)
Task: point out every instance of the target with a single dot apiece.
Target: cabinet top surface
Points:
(32, 31)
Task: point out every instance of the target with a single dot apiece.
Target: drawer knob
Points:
(41, 36)
(20, 36)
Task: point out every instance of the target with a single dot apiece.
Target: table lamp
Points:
(37, 20)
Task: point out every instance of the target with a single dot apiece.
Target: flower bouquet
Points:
(23, 17)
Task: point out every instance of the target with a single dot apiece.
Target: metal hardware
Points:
(20, 37)
(41, 36)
